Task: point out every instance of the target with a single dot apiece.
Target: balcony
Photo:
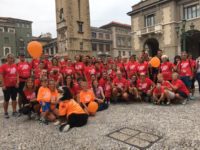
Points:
(157, 29)
(61, 25)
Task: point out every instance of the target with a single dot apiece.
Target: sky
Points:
(42, 12)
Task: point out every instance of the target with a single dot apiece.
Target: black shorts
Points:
(182, 94)
(10, 92)
(21, 87)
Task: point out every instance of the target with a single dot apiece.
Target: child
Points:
(44, 98)
(54, 101)
(158, 94)
(69, 109)
(99, 95)
(29, 100)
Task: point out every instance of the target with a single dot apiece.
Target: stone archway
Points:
(151, 45)
(193, 43)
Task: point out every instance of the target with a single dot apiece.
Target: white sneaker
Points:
(184, 102)
(57, 123)
(66, 128)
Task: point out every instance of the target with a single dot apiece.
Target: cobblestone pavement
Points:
(122, 127)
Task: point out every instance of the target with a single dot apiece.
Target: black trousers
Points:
(77, 120)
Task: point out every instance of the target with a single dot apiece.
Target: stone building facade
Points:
(101, 42)
(170, 25)
(73, 27)
(121, 39)
(15, 34)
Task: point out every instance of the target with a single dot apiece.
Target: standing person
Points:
(10, 83)
(132, 67)
(177, 60)
(79, 67)
(158, 94)
(198, 72)
(24, 70)
(64, 62)
(68, 69)
(108, 90)
(71, 111)
(142, 66)
(182, 93)
(185, 70)
(47, 62)
(44, 98)
(166, 68)
(89, 70)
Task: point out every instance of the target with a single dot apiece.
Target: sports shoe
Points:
(192, 97)
(6, 116)
(66, 128)
(184, 102)
(168, 103)
(57, 123)
(44, 121)
(15, 114)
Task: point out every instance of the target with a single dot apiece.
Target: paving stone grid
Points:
(136, 138)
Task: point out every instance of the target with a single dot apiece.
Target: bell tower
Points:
(73, 27)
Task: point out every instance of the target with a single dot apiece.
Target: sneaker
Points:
(44, 121)
(66, 128)
(192, 97)
(168, 103)
(15, 114)
(57, 123)
(6, 116)
(184, 102)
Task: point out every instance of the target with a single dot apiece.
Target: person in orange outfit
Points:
(44, 98)
(73, 113)
(86, 96)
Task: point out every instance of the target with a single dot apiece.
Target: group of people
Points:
(60, 90)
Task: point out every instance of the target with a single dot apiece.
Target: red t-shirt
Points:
(30, 94)
(159, 91)
(35, 63)
(142, 68)
(108, 90)
(185, 68)
(63, 64)
(166, 70)
(68, 70)
(166, 85)
(79, 67)
(145, 85)
(9, 73)
(112, 74)
(181, 86)
(102, 82)
(120, 83)
(132, 68)
(24, 70)
(47, 64)
(54, 68)
(89, 70)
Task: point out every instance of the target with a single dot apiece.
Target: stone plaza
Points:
(121, 127)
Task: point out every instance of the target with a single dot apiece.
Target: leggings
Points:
(77, 120)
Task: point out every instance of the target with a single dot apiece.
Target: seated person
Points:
(158, 94)
(99, 95)
(179, 88)
(169, 94)
(120, 88)
(145, 87)
(29, 100)
(132, 87)
(71, 111)
(85, 97)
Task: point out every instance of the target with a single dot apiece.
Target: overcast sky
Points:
(42, 12)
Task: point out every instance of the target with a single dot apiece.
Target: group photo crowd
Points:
(67, 91)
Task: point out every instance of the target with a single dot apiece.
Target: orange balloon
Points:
(93, 107)
(35, 49)
(155, 62)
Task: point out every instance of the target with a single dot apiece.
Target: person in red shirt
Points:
(47, 62)
(180, 88)
(79, 67)
(38, 73)
(120, 88)
(132, 82)
(10, 83)
(24, 71)
(64, 63)
(103, 80)
(145, 87)
(185, 70)
(89, 70)
(108, 90)
(142, 66)
(98, 69)
(166, 68)
(169, 93)
(158, 94)
(34, 63)
(132, 67)
(68, 69)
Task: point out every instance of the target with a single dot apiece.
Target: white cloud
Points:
(42, 12)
